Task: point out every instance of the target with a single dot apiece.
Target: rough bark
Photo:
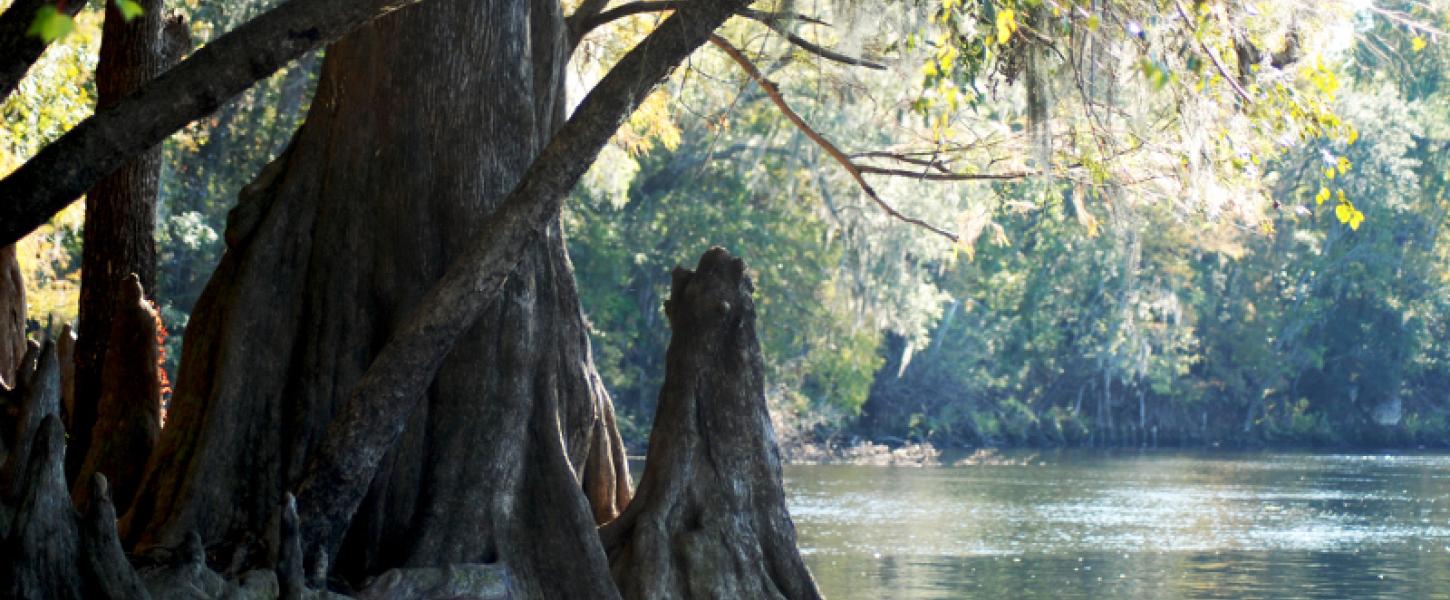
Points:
(389, 181)
(65, 169)
(128, 419)
(65, 350)
(50, 551)
(12, 315)
(709, 519)
(120, 218)
(36, 396)
(376, 412)
(18, 49)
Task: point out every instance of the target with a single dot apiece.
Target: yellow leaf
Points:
(1355, 219)
(1006, 25)
(1344, 165)
(1344, 212)
(1329, 173)
(1418, 43)
(1321, 196)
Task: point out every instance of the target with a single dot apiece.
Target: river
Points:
(1127, 524)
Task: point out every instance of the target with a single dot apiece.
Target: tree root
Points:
(52, 551)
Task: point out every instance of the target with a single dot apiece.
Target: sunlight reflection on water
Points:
(1132, 525)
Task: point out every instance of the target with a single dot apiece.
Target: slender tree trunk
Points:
(120, 224)
(12, 316)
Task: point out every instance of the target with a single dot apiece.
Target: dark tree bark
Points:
(120, 214)
(391, 177)
(129, 412)
(709, 519)
(12, 316)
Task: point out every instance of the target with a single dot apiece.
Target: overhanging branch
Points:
(66, 168)
(835, 153)
(588, 21)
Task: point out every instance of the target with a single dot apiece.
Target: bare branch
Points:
(1213, 56)
(588, 9)
(855, 171)
(777, 25)
(775, 21)
(948, 176)
(588, 23)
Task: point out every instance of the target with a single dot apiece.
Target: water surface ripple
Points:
(1079, 524)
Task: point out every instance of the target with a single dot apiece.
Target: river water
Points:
(1079, 524)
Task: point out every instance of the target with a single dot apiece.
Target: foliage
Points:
(1177, 221)
(55, 95)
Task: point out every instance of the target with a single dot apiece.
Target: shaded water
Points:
(1081, 524)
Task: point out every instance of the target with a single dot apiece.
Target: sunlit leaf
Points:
(1344, 212)
(50, 24)
(130, 9)
(1418, 43)
(1006, 25)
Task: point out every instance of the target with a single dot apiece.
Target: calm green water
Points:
(1131, 525)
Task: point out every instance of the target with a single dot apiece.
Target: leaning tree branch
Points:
(66, 168)
(947, 176)
(586, 12)
(339, 473)
(777, 24)
(851, 168)
(18, 49)
(775, 21)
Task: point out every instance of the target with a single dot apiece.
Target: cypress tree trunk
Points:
(710, 519)
(120, 218)
(422, 122)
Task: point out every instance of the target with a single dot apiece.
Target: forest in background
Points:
(1076, 310)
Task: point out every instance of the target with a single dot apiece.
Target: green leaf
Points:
(50, 24)
(130, 9)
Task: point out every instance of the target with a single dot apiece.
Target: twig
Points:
(948, 176)
(855, 171)
(775, 21)
(1212, 56)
